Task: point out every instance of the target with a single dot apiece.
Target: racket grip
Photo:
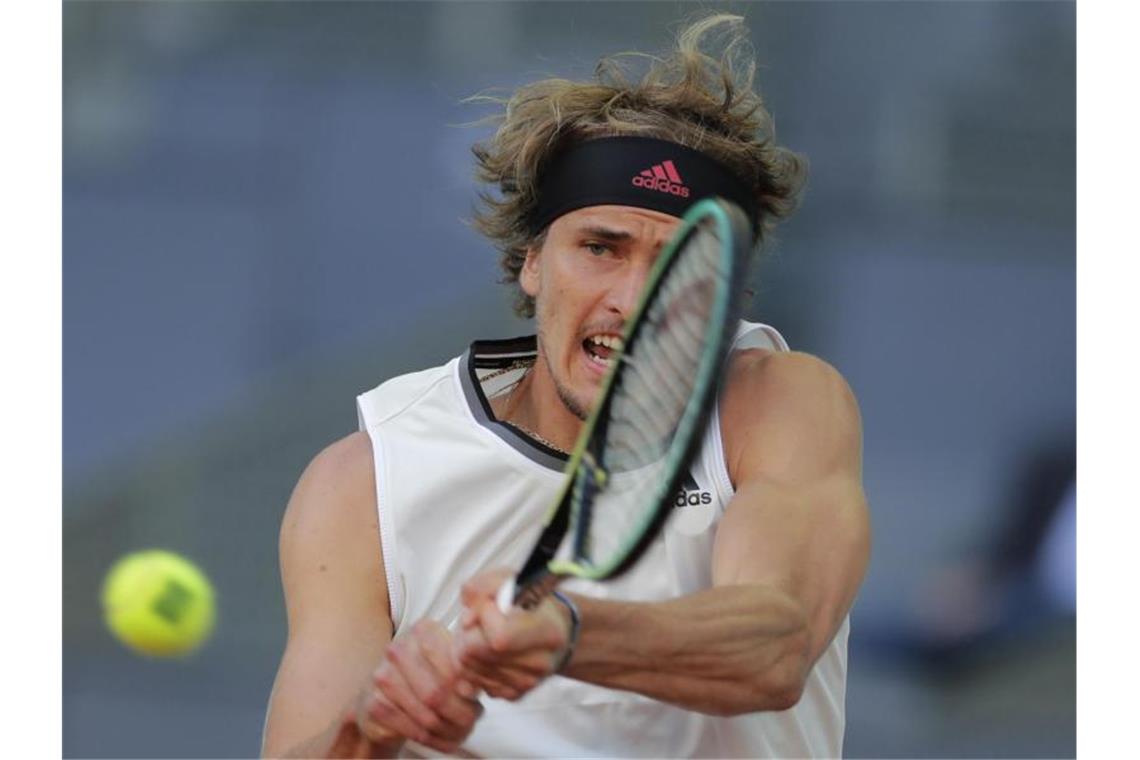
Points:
(506, 595)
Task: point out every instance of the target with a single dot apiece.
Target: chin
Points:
(577, 405)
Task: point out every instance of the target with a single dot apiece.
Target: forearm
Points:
(727, 650)
(342, 739)
(319, 746)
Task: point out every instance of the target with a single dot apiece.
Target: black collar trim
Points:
(500, 354)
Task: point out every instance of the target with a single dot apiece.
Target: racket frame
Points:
(542, 572)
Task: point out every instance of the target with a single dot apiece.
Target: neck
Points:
(535, 406)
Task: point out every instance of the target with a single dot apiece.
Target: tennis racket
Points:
(648, 421)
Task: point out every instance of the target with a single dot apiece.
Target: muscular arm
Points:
(789, 556)
(337, 604)
(727, 650)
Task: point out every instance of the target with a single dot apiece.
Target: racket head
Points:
(619, 486)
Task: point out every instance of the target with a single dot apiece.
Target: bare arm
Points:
(337, 604)
(345, 688)
(789, 557)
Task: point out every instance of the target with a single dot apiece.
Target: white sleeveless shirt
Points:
(459, 492)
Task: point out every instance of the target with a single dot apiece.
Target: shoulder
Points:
(330, 529)
(335, 481)
(790, 414)
(787, 378)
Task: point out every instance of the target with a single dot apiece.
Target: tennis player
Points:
(728, 638)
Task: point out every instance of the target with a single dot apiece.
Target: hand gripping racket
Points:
(650, 416)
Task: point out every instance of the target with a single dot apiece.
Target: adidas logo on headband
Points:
(605, 171)
(662, 177)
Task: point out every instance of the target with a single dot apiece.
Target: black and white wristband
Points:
(575, 624)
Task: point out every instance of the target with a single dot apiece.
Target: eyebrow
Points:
(606, 233)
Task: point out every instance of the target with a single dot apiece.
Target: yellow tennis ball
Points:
(158, 603)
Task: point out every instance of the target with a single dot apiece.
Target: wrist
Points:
(574, 617)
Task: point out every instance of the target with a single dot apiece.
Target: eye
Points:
(596, 249)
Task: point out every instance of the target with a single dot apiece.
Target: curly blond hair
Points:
(689, 97)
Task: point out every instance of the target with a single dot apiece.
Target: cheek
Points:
(559, 321)
(550, 306)
(562, 304)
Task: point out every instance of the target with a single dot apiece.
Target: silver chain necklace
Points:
(527, 364)
(535, 436)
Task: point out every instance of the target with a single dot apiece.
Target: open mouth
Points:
(600, 349)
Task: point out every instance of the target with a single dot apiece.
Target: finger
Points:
(492, 636)
(440, 650)
(382, 719)
(505, 683)
(463, 686)
(504, 676)
(387, 717)
(478, 674)
(435, 644)
(468, 642)
(451, 716)
(390, 680)
(476, 648)
(505, 636)
(538, 662)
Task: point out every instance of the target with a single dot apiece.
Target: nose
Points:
(625, 292)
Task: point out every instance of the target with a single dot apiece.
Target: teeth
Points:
(609, 341)
(600, 360)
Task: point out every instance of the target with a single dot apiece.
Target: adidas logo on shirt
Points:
(662, 177)
(691, 494)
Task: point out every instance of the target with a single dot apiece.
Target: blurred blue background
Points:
(264, 210)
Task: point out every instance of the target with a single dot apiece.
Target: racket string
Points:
(657, 374)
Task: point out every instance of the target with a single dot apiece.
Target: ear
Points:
(529, 278)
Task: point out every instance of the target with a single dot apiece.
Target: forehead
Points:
(633, 221)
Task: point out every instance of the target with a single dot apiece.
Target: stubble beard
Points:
(572, 404)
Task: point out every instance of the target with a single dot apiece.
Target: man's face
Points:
(586, 279)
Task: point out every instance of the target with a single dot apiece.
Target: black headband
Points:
(634, 171)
